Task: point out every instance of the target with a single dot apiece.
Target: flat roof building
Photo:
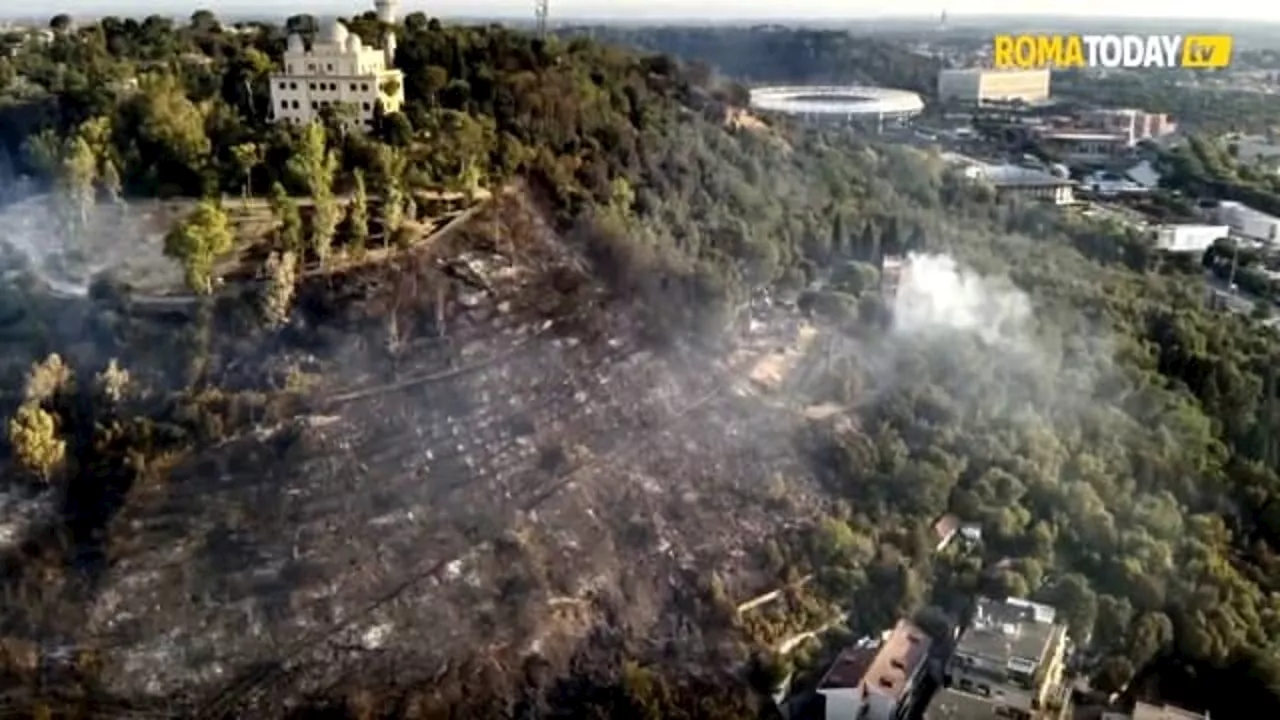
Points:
(1010, 660)
(1015, 181)
(1085, 146)
(1188, 237)
(980, 86)
(1012, 181)
(1247, 223)
(877, 682)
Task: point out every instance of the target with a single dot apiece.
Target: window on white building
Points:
(311, 86)
(329, 67)
(311, 67)
(293, 86)
(364, 87)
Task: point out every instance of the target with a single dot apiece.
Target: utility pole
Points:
(540, 17)
(1235, 261)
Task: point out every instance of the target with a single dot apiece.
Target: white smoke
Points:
(115, 242)
(979, 337)
(936, 296)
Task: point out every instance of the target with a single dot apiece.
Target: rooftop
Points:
(1144, 711)
(1011, 629)
(1015, 176)
(948, 704)
(946, 526)
(884, 670)
(1084, 136)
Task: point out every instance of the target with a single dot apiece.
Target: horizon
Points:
(707, 12)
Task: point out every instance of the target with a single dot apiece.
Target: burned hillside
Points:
(500, 464)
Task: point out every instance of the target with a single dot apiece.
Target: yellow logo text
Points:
(1035, 52)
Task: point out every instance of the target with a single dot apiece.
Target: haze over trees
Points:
(1117, 441)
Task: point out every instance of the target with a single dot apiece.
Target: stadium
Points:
(872, 108)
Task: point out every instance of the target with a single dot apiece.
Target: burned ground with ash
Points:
(486, 486)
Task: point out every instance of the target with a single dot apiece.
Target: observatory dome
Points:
(354, 44)
(336, 34)
(295, 43)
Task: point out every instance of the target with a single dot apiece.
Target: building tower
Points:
(540, 16)
(388, 11)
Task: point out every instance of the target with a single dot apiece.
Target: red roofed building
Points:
(877, 683)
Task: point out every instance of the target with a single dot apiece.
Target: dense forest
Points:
(1116, 439)
(774, 54)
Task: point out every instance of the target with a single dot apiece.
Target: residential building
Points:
(1014, 182)
(1085, 146)
(948, 528)
(980, 86)
(878, 682)
(1143, 711)
(1009, 663)
(1187, 237)
(1105, 183)
(1247, 223)
(337, 71)
(945, 531)
(1136, 125)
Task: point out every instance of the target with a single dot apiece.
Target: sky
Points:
(684, 9)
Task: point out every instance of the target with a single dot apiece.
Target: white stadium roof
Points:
(836, 100)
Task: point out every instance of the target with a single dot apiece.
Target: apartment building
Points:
(877, 682)
(336, 71)
(1135, 125)
(980, 86)
(1009, 663)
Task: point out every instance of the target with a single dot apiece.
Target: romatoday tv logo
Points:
(1034, 52)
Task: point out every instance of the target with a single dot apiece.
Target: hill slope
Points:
(522, 468)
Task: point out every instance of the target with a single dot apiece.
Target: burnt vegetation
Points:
(514, 467)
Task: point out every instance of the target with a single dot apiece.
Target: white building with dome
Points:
(336, 70)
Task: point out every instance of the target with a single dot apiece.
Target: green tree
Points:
(248, 156)
(33, 435)
(79, 173)
(197, 241)
(324, 225)
(358, 216)
(288, 217)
